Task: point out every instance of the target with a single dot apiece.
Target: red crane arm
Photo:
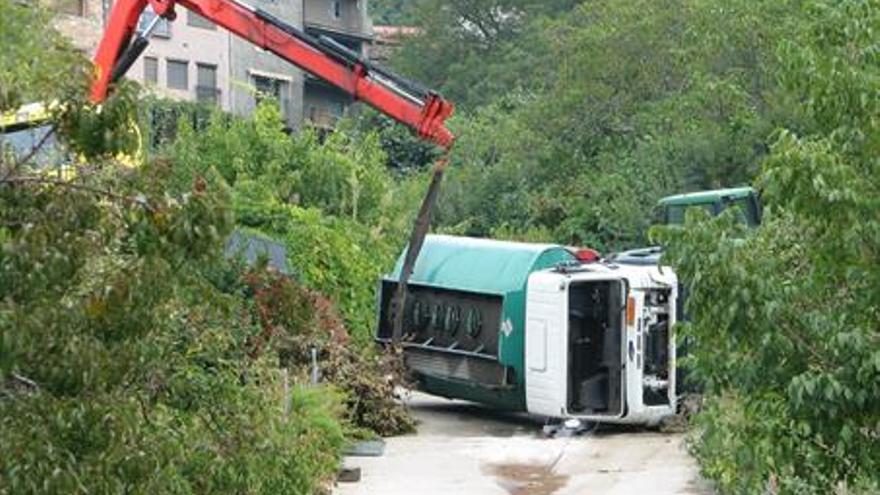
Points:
(423, 110)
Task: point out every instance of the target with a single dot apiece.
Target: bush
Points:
(331, 202)
(124, 369)
(299, 322)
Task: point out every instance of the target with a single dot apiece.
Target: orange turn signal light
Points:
(630, 311)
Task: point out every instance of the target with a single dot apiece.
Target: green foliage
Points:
(124, 368)
(332, 202)
(337, 257)
(393, 12)
(133, 357)
(339, 175)
(473, 51)
(39, 66)
(341, 219)
(405, 151)
(784, 321)
(104, 131)
(598, 111)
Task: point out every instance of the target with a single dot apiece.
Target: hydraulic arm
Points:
(405, 101)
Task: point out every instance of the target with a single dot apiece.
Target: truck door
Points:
(545, 343)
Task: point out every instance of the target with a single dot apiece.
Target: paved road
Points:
(463, 449)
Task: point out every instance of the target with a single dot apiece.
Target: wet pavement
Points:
(465, 449)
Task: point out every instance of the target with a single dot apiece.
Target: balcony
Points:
(208, 94)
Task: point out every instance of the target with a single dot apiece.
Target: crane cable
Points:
(416, 239)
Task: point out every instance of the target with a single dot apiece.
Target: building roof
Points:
(480, 265)
(707, 196)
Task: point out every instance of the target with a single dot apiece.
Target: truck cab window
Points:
(676, 214)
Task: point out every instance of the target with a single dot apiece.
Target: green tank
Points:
(464, 321)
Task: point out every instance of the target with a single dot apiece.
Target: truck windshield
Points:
(742, 211)
(675, 214)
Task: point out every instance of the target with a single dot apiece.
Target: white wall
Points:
(195, 45)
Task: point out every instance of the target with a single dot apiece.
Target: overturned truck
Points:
(538, 328)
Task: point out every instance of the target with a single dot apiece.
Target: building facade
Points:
(81, 21)
(193, 59)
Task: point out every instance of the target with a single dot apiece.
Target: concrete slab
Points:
(464, 449)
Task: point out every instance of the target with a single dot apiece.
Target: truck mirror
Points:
(757, 209)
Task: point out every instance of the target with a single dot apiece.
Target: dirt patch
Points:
(524, 479)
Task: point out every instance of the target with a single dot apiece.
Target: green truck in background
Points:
(672, 210)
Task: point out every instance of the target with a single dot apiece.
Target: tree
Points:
(624, 103)
(32, 67)
(392, 12)
(784, 320)
(331, 199)
(475, 51)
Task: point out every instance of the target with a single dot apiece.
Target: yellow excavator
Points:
(24, 118)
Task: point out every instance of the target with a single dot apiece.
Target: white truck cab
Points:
(600, 343)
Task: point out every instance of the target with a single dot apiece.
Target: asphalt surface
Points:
(464, 449)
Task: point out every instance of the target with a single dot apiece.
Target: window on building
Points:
(336, 9)
(269, 87)
(325, 113)
(178, 74)
(337, 109)
(195, 20)
(151, 70)
(162, 29)
(206, 84)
